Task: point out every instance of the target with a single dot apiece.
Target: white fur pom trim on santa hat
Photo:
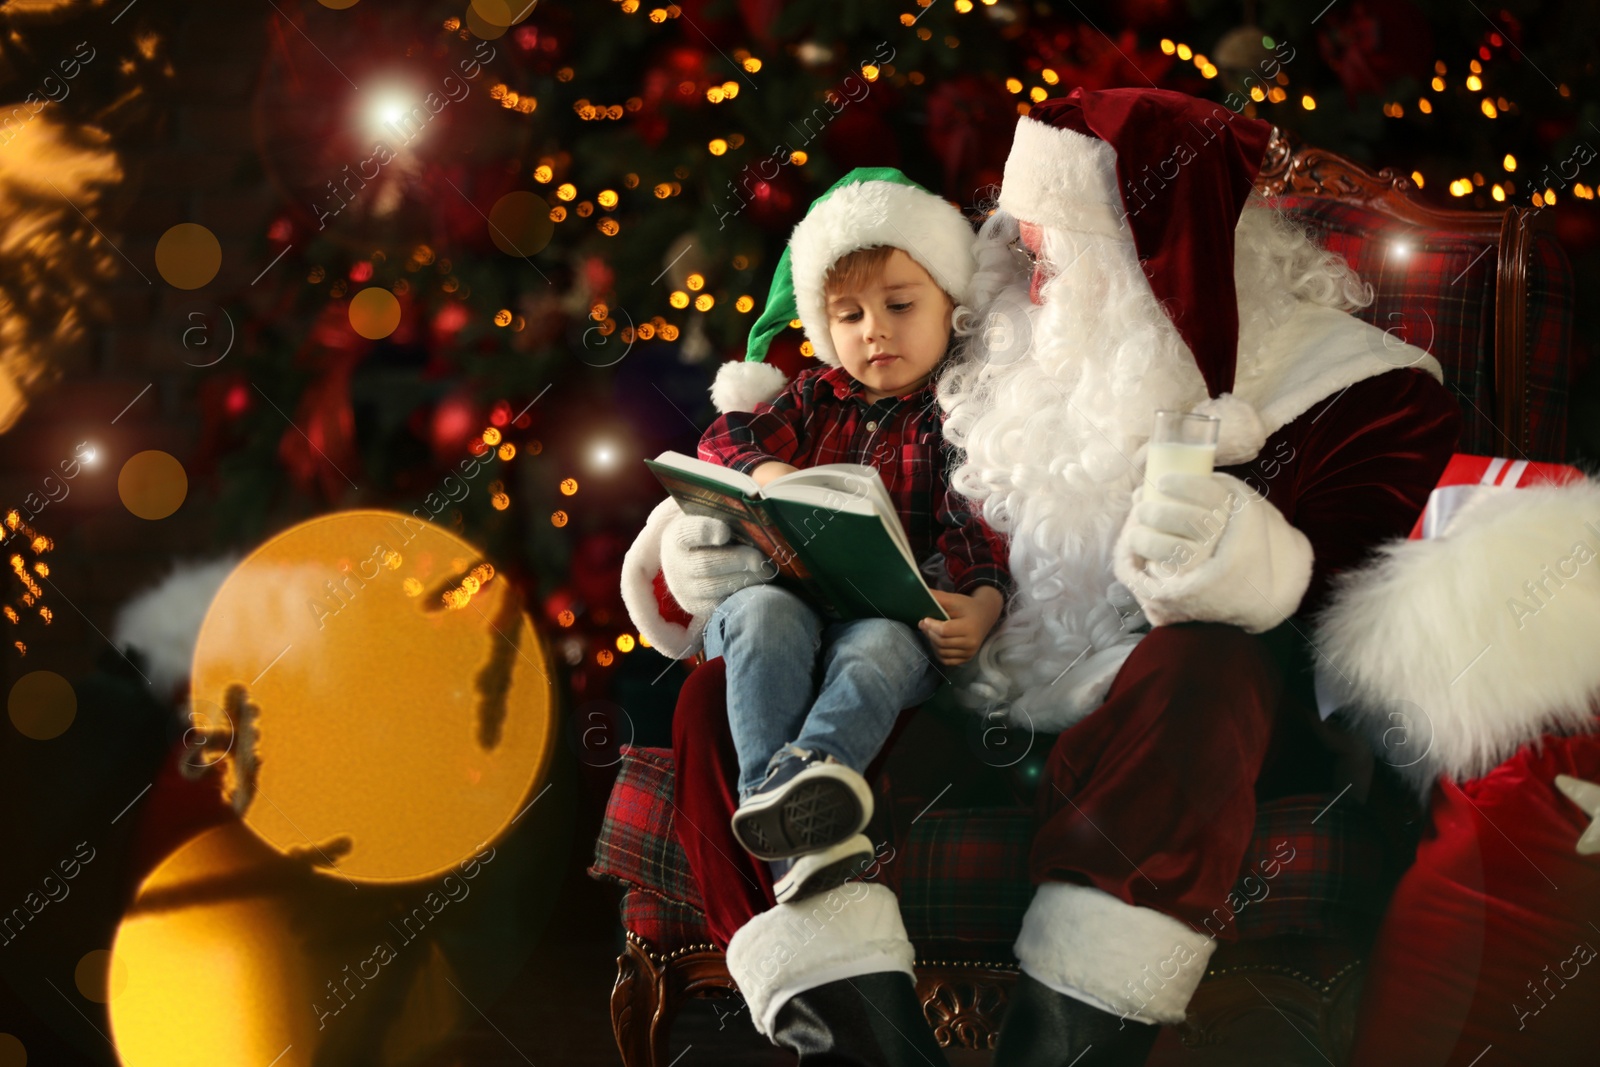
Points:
(740, 386)
(1121, 958)
(1241, 435)
(1064, 180)
(790, 948)
(163, 622)
(1476, 642)
(929, 229)
(640, 565)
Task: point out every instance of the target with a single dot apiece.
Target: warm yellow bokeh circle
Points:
(374, 313)
(188, 255)
(42, 705)
(152, 484)
(100, 977)
(400, 692)
(12, 1051)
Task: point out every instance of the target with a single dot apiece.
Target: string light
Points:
(1510, 162)
(607, 198)
(1416, 177)
(798, 158)
(1424, 106)
(743, 304)
(1489, 108)
(678, 299)
(1498, 193)
(1308, 103)
(703, 302)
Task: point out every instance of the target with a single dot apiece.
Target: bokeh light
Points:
(152, 484)
(42, 704)
(374, 313)
(188, 255)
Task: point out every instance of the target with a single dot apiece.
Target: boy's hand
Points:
(765, 472)
(971, 618)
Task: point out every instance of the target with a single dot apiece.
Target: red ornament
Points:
(456, 420)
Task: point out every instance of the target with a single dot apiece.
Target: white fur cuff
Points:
(1134, 961)
(639, 569)
(1255, 579)
(1477, 642)
(790, 948)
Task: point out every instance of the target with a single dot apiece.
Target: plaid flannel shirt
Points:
(824, 417)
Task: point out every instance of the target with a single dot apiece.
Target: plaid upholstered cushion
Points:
(1436, 290)
(962, 875)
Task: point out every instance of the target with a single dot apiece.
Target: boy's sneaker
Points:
(808, 802)
(818, 872)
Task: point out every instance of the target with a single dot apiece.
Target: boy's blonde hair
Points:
(853, 270)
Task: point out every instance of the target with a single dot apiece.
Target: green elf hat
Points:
(868, 207)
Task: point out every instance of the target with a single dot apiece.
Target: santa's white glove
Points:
(1221, 553)
(703, 565)
(1180, 528)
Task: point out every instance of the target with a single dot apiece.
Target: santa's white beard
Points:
(1053, 404)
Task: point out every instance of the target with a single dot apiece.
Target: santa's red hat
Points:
(1165, 170)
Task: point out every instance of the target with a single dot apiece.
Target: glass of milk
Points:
(1183, 443)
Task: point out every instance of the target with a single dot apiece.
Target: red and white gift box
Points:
(1467, 477)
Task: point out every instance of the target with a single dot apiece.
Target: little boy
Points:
(879, 266)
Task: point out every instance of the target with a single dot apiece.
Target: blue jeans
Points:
(794, 678)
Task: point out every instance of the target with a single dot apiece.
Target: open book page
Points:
(843, 486)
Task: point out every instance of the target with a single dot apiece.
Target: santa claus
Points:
(1160, 637)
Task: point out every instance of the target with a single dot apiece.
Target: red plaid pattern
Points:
(1315, 867)
(823, 417)
(1438, 294)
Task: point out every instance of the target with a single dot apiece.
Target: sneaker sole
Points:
(813, 813)
(828, 876)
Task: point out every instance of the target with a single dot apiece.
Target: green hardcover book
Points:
(830, 531)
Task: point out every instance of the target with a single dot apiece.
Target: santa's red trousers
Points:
(1151, 798)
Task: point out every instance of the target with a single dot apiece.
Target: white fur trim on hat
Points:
(640, 566)
(741, 385)
(1131, 961)
(1459, 650)
(790, 948)
(1063, 179)
(1255, 579)
(866, 214)
(163, 622)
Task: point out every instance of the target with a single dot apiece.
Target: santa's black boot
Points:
(1043, 1028)
(871, 1020)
